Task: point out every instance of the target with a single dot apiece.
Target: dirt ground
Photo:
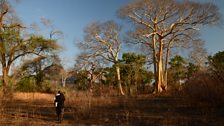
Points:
(38, 110)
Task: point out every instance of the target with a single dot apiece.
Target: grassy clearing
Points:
(36, 109)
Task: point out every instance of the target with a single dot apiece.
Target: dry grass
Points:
(83, 109)
(33, 96)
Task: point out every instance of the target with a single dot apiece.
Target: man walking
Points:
(59, 104)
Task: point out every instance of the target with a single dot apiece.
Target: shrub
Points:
(26, 85)
(46, 87)
(204, 88)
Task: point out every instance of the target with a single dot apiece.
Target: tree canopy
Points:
(166, 24)
(14, 43)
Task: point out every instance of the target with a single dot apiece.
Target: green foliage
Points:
(180, 70)
(133, 58)
(26, 85)
(217, 61)
(177, 61)
(133, 73)
(10, 37)
(39, 43)
(177, 70)
(146, 76)
(216, 64)
(34, 68)
(191, 70)
(42, 70)
(15, 44)
(46, 86)
(110, 75)
(82, 80)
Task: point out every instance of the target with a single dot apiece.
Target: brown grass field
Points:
(37, 109)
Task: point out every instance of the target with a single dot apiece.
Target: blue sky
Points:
(71, 17)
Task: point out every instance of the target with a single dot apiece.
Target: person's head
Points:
(59, 92)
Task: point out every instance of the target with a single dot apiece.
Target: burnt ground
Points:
(112, 111)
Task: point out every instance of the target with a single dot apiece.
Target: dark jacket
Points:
(59, 100)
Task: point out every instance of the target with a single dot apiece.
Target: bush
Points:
(46, 87)
(205, 89)
(26, 85)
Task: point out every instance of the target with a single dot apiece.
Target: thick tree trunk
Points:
(166, 67)
(160, 77)
(160, 86)
(119, 80)
(155, 62)
(5, 79)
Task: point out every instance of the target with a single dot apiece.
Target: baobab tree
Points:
(167, 23)
(14, 43)
(102, 41)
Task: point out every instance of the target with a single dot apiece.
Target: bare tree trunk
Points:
(160, 86)
(119, 80)
(166, 67)
(63, 79)
(155, 61)
(91, 80)
(5, 79)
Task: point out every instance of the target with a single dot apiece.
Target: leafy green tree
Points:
(14, 43)
(26, 84)
(191, 70)
(146, 80)
(110, 76)
(133, 71)
(41, 69)
(180, 70)
(177, 70)
(82, 80)
(216, 63)
(133, 63)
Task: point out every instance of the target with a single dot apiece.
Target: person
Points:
(59, 105)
